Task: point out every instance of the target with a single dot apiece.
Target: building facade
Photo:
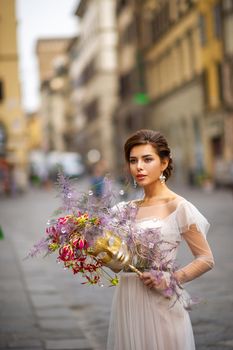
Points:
(53, 69)
(131, 111)
(13, 137)
(183, 53)
(94, 79)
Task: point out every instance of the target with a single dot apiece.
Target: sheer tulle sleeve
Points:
(187, 215)
(193, 227)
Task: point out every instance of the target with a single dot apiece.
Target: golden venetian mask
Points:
(112, 251)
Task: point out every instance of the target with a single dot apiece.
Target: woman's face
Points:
(145, 165)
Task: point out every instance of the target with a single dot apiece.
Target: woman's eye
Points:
(132, 161)
(147, 160)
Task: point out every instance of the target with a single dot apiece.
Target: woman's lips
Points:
(140, 177)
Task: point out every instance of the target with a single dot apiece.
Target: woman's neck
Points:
(155, 192)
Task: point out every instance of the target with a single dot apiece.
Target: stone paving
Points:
(44, 307)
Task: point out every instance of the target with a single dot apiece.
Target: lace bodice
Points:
(158, 229)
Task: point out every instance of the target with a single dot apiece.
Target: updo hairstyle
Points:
(155, 139)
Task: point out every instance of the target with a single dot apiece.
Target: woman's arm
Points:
(203, 262)
(201, 251)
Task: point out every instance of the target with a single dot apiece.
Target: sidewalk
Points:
(33, 315)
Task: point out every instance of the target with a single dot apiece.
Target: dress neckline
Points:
(153, 217)
(138, 201)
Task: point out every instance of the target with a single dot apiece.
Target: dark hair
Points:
(155, 139)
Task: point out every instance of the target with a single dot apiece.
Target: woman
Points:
(144, 315)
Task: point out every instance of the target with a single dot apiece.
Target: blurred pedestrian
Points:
(5, 187)
(97, 179)
(149, 310)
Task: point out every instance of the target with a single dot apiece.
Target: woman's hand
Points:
(151, 282)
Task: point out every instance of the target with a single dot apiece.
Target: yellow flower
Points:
(114, 281)
(53, 246)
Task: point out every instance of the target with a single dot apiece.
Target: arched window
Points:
(3, 139)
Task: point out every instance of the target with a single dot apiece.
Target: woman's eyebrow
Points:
(144, 156)
(147, 155)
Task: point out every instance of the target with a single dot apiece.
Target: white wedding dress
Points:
(142, 318)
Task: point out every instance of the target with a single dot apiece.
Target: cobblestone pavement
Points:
(44, 307)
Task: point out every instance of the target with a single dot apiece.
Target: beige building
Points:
(170, 64)
(13, 140)
(183, 55)
(94, 78)
(34, 131)
(53, 65)
(47, 52)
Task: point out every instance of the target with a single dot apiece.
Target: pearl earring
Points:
(162, 178)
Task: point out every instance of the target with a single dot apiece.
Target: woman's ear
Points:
(164, 164)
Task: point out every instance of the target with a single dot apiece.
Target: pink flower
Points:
(75, 242)
(63, 220)
(81, 243)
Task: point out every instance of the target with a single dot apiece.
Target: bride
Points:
(148, 312)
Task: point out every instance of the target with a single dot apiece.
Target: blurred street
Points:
(72, 90)
(44, 307)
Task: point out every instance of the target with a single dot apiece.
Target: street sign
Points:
(141, 98)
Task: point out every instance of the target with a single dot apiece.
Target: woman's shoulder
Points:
(185, 203)
(188, 214)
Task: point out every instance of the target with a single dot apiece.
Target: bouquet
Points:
(84, 235)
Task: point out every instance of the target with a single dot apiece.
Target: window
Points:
(191, 51)
(129, 122)
(120, 5)
(129, 34)
(217, 146)
(202, 25)
(161, 22)
(220, 84)
(227, 5)
(91, 110)
(217, 20)
(190, 3)
(1, 91)
(146, 38)
(125, 85)
(3, 139)
(129, 83)
(231, 78)
(86, 75)
(228, 82)
(205, 87)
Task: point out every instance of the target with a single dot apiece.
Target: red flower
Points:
(80, 243)
(81, 258)
(66, 253)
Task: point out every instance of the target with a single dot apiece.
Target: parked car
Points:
(70, 162)
(223, 173)
(38, 167)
